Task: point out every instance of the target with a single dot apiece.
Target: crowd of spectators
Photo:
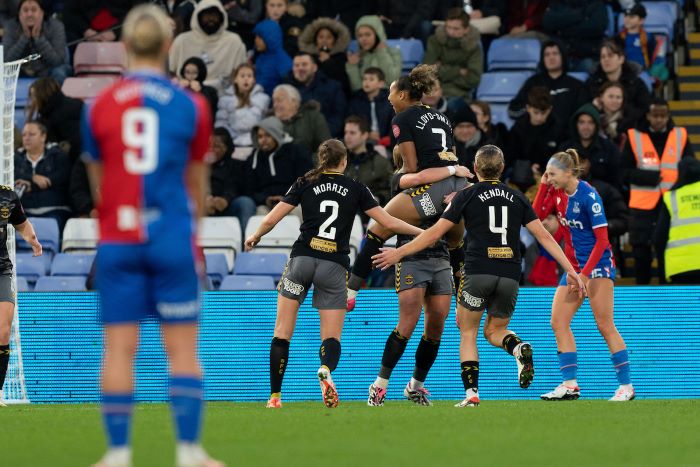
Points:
(282, 76)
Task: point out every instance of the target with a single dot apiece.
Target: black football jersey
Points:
(431, 133)
(493, 214)
(11, 212)
(328, 207)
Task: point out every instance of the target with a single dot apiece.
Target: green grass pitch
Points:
(534, 433)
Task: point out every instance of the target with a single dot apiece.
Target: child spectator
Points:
(193, 74)
(242, 106)
(371, 103)
(373, 52)
(641, 47)
(272, 64)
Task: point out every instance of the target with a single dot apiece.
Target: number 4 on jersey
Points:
(503, 229)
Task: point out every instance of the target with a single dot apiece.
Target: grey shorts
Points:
(429, 199)
(328, 278)
(484, 291)
(7, 289)
(433, 274)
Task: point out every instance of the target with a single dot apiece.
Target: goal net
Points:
(14, 390)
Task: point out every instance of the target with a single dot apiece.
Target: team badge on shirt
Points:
(396, 130)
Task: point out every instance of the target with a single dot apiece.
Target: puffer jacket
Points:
(453, 55)
(387, 59)
(334, 67)
(240, 120)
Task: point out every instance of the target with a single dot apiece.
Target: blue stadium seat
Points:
(60, 284)
(647, 80)
(247, 283)
(217, 267)
(610, 31)
(499, 114)
(46, 230)
(30, 267)
(661, 18)
(501, 87)
(20, 117)
(22, 91)
(72, 264)
(412, 52)
(579, 75)
(507, 53)
(260, 264)
(23, 285)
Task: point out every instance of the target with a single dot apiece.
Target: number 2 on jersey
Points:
(140, 136)
(326, 231)
(503, 229)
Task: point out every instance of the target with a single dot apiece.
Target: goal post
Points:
(15, 390)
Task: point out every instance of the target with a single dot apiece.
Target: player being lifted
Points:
(422, 280)
(144, 141)
(424, 137)
(493, 214)
(329, 202)
(580, 212)
(11, 213)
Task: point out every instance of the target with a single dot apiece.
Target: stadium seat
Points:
(22, 91)
(20, 117)
(501, 87)
(87, 87)
(499, 114)
(579, 75)
(220, 235)
(30, 267)
(412, 52)
(247, 283)
(72, 264)
(513, 54)
(283, 235)
(22, 284)
(60, 284)
(46, 230)
(216, 266)
(80, 235)
(99, 58)
(260, 264)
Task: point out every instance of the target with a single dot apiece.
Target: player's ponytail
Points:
(146, 31)
(331, 153)
(567, 160)
(489, 162)
(396, 156)
(421, 80)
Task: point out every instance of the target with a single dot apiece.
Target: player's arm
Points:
(432, 175)
(272, 218)
(197, 180)
(94, 172)
(545, 239)
(390, 256)
(26, 230)
(392, 223)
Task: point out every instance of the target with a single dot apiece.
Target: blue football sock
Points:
(186, 404)
(621, 363)
(116, 413)
(568, 365)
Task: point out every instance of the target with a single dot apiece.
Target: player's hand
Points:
(448, 198)
(462, 171)
(250, 242)
(545, 178)
(387, 258)
(576, 284)
(41, 181)
(36, 247)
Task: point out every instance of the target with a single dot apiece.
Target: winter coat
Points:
(360, 105)
(535, 144)
(372, 169)
(603, 154)
(637, 96)
(453, 55)
(208, 92)
(246, 12)
(240, 120)
(334, 67)
(330, 97)
(51, 45)
(79, 190)
(580, 24)
(291, 27)
(57, 167)
(222, 52)
(308, 127)
(61, 115)
(272, 173)
(387, 59)
(226, 178)
(272, 65)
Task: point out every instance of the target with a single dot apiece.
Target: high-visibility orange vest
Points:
(647, 197)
